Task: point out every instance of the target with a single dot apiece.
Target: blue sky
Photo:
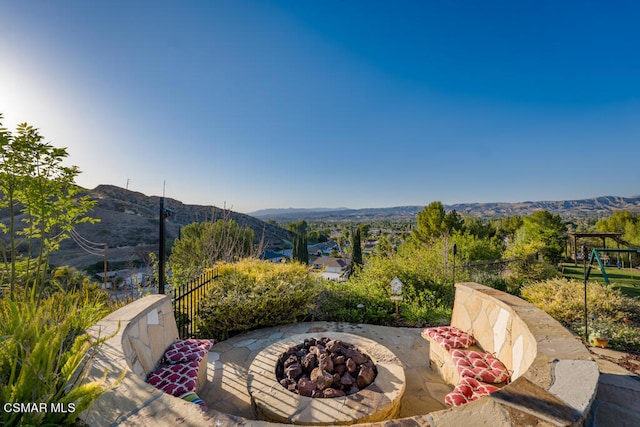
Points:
(259, 104)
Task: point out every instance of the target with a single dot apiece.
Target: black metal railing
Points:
(186, 301)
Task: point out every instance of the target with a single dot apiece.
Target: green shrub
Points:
(616, 316)
(42, 351)
(529, 269)
(564, 300)
(424, 308)
(492, 280)
(251, 293)
(427, 290)
(361, 301)
(622, 335)
(420, 269)
(354, 303)
(510, 284)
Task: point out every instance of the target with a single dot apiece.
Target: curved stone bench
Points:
(139, 334)
(554, 378)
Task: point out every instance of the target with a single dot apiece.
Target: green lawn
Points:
(627, 281)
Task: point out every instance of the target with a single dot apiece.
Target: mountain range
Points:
(585, 208)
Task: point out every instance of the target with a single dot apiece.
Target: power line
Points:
(86, 245)
(85, 248)
(87, 241)
(80, 241)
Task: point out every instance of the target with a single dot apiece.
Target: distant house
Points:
(322, 249)
(273, 256)
(369, 246)
(127, 277)
(336, 269)
(287, 253)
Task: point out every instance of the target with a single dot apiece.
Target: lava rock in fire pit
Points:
(332, 392)
(293, 371)
(322, 378)
(309, 362)
(366, 375)
(306, 387)
(325, 368)
(326, 362)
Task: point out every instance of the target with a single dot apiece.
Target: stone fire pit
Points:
(377, 402)
(325, 368)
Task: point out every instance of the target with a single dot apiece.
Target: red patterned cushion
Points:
(183, 351)
(480, 366)
(468, 390)
(176, 380)
(449, 337)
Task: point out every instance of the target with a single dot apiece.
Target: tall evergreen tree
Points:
(299, 252)
(294, 248)
(304, 251)
(356, 256)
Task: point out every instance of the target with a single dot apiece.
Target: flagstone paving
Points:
(618, 391)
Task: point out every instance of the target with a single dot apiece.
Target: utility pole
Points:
(453, 285)
(586, 275)
(161, 250)
(105, 266)
(164, 214)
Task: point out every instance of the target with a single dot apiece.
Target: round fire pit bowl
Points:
(378, 402)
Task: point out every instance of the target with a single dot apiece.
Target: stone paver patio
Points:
(229, 362)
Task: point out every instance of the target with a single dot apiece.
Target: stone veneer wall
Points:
(491, 317)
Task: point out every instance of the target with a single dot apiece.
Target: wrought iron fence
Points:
(186, 302)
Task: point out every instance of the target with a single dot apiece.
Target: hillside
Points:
(585, 208)
(129, 225)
